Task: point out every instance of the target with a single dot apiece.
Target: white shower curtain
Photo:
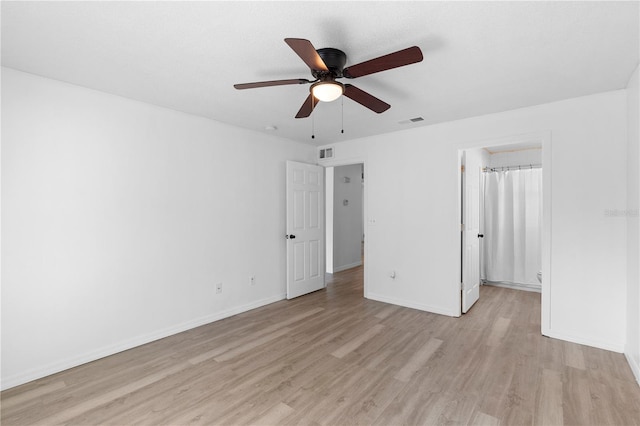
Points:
(512, 226)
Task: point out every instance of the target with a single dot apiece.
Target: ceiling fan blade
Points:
(270, 83)
(307, 53)
(397, 59)
(307, 107)
(365, 99)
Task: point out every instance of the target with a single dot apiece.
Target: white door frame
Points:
(543, 137)
(350, 162)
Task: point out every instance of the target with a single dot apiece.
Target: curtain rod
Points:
(506, 168)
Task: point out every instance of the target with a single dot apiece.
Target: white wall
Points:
(120, 217)
(412, 217)
(632, 349)
(347, 220)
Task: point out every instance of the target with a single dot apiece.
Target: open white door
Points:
(305, 229)
(471, 229)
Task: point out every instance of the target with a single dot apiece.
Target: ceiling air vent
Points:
(411, 120)
(326, 153)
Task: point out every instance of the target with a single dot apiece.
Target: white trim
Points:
(635, 366)
(345, 162)
(345, 267)
(459, 287)
(545, 312)
(56, 367)
(412, 305)
(328, 218)
(587, 341)
(534, 288)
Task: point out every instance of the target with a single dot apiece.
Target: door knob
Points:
(480, 235)
(291, 236)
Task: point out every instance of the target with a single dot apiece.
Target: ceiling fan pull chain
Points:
(342, 101)
(313, 121)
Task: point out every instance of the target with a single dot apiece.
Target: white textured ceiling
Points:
(479, 57)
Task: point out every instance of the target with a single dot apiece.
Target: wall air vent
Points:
(326, 153)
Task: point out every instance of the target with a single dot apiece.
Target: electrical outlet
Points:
(218, 288)
(252, 280)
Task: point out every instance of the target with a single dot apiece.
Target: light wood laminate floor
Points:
(333, 357)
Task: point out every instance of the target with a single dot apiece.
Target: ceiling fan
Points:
(327, 65)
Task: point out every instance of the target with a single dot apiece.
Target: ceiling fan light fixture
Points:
(327, 91)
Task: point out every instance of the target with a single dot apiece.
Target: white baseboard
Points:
(345, 267)
(56, 367)
(409, 304)
(587, 341)
(635, 366)
(535, 288)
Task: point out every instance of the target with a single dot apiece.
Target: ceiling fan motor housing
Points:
(334, 59)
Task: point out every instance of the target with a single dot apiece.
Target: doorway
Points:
(330, 176)
(344, 216)
(512, 197)
(513, 238)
